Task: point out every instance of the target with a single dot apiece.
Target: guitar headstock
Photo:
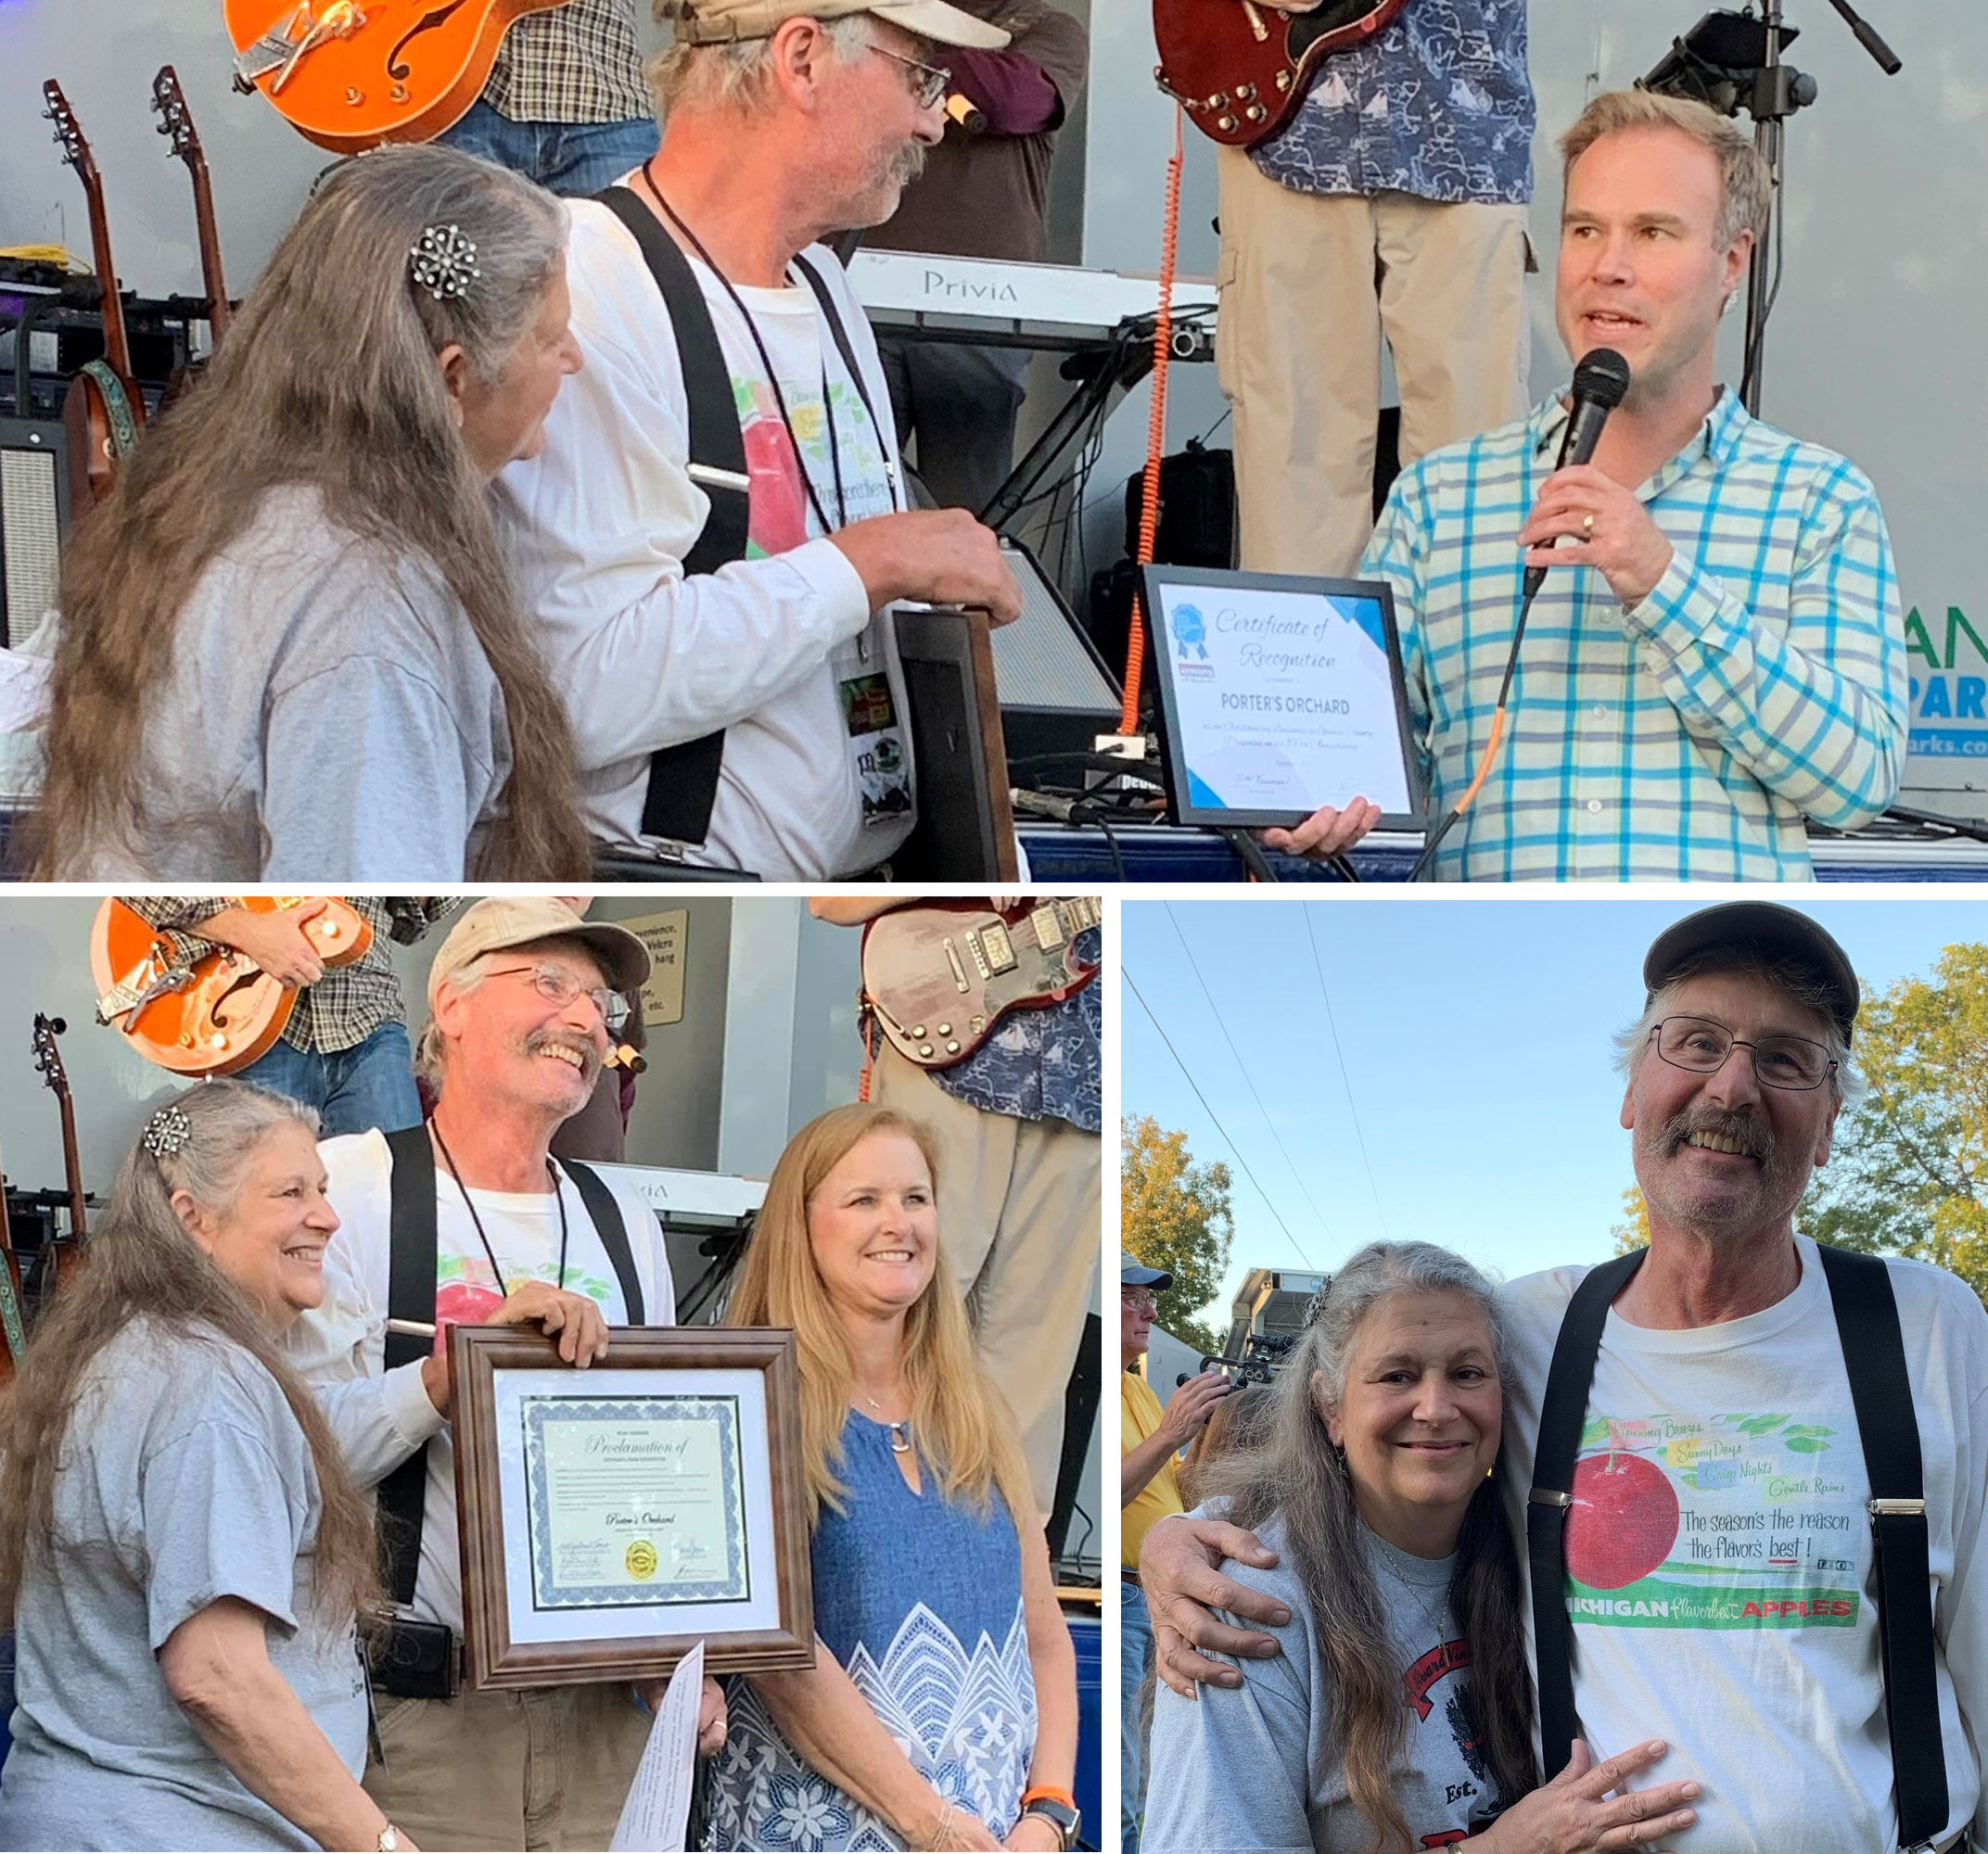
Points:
(175, 120)
(75, 149)
(47, 1056)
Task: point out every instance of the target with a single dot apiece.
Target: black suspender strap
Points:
(1881, 1390)
(410, 1296)
(605, 1215)
(1561, 1416)
(683, 779)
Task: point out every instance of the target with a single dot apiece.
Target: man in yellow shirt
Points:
(1149, 1440)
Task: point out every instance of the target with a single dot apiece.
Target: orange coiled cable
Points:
(1149, 499)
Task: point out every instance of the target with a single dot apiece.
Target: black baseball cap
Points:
(1133, 1273)
(1764, 928)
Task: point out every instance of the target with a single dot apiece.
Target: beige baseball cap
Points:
(703, 23)
(501, 920)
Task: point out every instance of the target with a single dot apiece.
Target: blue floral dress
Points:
(919, 1599)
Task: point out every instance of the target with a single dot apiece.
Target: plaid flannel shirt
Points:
(1762, 682)
(577, 63)
(348, 1003)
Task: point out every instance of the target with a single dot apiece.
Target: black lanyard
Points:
(448, 1159)
(766, 361)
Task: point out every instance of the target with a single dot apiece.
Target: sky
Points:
(1429, 1068)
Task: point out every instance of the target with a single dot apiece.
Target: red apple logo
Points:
(461, 1304)
(1624, 1519)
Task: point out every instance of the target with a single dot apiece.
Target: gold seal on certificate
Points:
(614, 1517)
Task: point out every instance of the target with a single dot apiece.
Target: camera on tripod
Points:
(1262, 1356)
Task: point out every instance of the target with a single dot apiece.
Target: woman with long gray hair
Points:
(182, 1552)
(1397, 1714)
(290, 647)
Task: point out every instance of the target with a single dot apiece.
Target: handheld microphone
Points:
(1599, 383)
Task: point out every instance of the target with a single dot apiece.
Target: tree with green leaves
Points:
(1909, 1163)
(1633, 1232)
(1174, 1214)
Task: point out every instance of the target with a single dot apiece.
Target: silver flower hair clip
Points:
(167, 1132)
(1316, 1305)
(444, 262)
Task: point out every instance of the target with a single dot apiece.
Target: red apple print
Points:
(778, 515)
(461, 1304)
(1624, 1520)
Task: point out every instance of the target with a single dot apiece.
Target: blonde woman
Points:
(289, 646)
(942, 1712)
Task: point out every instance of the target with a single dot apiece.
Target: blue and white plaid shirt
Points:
(1762, 682)
(1438, 105)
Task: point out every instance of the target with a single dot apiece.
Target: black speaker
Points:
(33, 521)
(1057, 694)
(1080, 1400)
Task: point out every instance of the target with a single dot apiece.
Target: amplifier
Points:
(33, 521)
(1056, 694)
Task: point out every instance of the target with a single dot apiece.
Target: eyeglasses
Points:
(928, 85)
(1138, 1299)
(1792, 1063)
(556, 986)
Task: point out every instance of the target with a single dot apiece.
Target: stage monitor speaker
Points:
(1056, 694)
(1080, 1398)
(33, 521)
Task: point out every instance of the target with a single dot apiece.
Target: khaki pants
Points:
(541, 1767)
(1310, 285)
(1018, 1205)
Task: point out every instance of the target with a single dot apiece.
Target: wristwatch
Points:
(389, 1840)
(1058, 1807)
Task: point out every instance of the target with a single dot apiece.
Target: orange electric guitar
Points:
(104, 410)
(210, 1015)
(940, 975)
(349, 74)
(175, 120)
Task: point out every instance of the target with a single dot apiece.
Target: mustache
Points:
(589, 1057)
(1746, 1130)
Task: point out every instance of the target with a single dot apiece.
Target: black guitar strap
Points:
(1874, 1357)
(683, 779)
(411, 1244)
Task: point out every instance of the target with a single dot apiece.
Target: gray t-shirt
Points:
(1241, 1768)
(329, 717)
(184, 1479)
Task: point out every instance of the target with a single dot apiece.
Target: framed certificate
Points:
(614, 1518)
(1279, 695)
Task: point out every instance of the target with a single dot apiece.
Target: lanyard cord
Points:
(765, 359)
(448, 1159)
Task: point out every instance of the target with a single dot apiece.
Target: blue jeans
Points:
(1135, 1654)
(576, 158)
(354, 1090)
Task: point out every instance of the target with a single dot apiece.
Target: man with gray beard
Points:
(714, 531)
(1722, 1583)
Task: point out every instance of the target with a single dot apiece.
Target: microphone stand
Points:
(1779, 91)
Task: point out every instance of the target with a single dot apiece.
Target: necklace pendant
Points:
(901, 1438)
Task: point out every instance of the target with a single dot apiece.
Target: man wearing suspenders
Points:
(714, 531)
(467, 1218)
(1750, 1473)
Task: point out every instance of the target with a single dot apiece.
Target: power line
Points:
(1202, 1099)
(1352, 1105)
(1221, 1024)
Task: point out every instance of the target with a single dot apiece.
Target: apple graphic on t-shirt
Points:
(1624, 1519)
(461, 1303)
(778, 517)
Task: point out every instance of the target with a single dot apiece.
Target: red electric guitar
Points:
(62, 1258)
(940, 975)
(175, 120)
(1240, 67)
(104, 410)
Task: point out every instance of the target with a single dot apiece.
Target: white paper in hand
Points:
(657, 1814)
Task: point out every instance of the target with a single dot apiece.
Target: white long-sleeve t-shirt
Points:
(780, 650)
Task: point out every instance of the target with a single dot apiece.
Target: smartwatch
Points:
(1057, 1808)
